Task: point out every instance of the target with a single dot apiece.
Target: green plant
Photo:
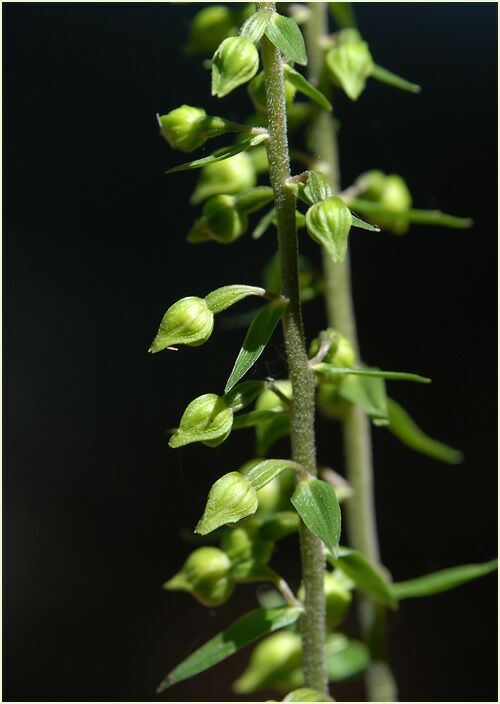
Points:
(268, 499)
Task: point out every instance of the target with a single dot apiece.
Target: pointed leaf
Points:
(257, 337)
(330, 370)
(226, 296)
(317, 187)
(441, 581)
(357, 222)
(303, 86)
(287, 37)
(220, 154)
(366, 576)
(264, 223)
(385, 76)
(255, 26)
(245, 630)
(406, 430)
(369, 393)
(317, 505)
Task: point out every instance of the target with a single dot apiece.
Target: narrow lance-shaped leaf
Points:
(413, 216)
(287, 37)
(441, 581)
(330, 370)
(366, 576)
(317, 505)
(257, 337)
(385, 76)
(245, 630)
(220, 154)
(303, 86)
(357, 222)
(226, 296)
(408, 432)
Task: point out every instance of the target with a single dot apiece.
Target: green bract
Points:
(205, 576)
(235, 62)
(350, 63)
(187, 128)
(229, 176)
(221, 221)
(187, 322)
(231, 498)
(328, 223)
(207, 419)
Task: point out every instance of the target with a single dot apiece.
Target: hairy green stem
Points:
(360, 508)
(302, 410)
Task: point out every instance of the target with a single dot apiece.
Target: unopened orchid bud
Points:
(328, 223)
(221, 221)
(257, 92)
(209, 27)
(207, 419)
(230, 499)
(338, 598)
(244, 543)
(340, 353)
(229, 176)
(273, 661)
(235, 62)
(187, 322)
(350, 63)
(392, 194)
(205, 575)
(187, 128)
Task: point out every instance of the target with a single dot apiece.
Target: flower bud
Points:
(230, 176)
(187, 128)
(350, 63)
(391, 193)
(207, 419)
(243, 543)
(209, 27)
(235, 62)
(338, 598)
(221, 221)
(328, 223)
(341, 352)
(205, 575)
(230, 499)
(187, 322)
(273, 661)
(257, 92)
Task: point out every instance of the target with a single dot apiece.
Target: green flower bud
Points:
(235, 62)
(328, 223)
(350, 63)
(205, 575)
(338, 598)
(372, 183)
(271, 664)
(231, 499)
(207, 419)
(221, 221)
(243, 543)
(187, 128)
(330, 402)
(391, 193)
(230, 176)
(187, 322)
(209, 27)
(341, 352)
(257, 92)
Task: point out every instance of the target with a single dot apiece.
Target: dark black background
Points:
(94, 252)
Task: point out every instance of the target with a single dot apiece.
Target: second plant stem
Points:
(360, 508)
(302, 410)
